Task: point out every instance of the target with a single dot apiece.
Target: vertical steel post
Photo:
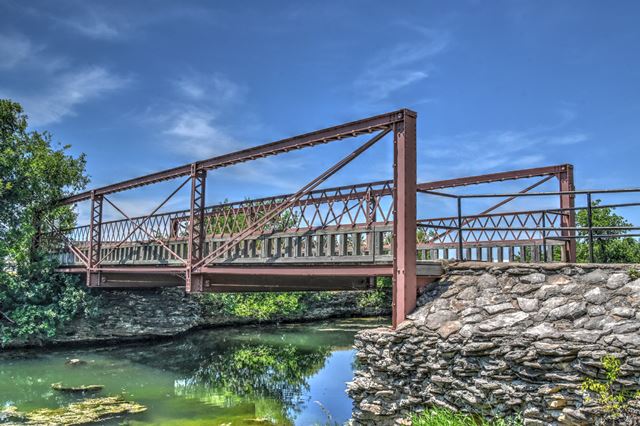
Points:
(95, 239)
(404, 224)
(371, 208)
(590, 226)
(197, 231)
(544, 238)
(460, 240)
(567, 204)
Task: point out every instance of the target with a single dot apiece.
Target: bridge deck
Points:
(279, 277)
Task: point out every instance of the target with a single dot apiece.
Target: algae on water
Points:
(78, 413)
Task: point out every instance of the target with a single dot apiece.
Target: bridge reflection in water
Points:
(336, 238)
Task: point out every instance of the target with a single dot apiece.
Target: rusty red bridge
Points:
(318, 238)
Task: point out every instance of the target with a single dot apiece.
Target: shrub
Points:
(37, 302)
(444, 417)
(612, 398)
(261, 306)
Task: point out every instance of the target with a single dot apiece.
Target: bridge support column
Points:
(95, 240)
(197, 229)
(404, 224)
(568, 216)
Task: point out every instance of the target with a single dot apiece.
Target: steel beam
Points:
(404, 224)
(95, 232)
(197, 232)
(568, 219)
(494, 177)
(330, 134)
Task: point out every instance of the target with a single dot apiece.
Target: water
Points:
(286, 375)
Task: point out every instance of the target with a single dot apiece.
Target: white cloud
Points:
(14, 50)
(401, 66)
(95, 27)
(193, 124)
(570, 139)
(195, 133)
(215, 88)
(66, 91)
(474, 153)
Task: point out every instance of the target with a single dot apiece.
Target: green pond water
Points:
(285, 375)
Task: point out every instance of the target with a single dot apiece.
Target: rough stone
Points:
(596, 296)
(528, 305)
(616, 281)
(535, 333)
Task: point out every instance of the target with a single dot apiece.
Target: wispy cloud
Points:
(62, 86)
(99, 21)
(96, 27)
(196, 133)
(65, 91)
(192, 122)
(478, 152)
(402, 65)
(198, 86)
(14, 50)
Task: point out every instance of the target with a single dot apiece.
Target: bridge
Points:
(318, 238)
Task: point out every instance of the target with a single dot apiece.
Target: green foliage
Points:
(33, 174)
(633, 273)
(261, 306)
(378, 297)
(34, 300)
(611, 397)
(607, 250)
(444, 417)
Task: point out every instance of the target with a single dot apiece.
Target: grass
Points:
(444, 417)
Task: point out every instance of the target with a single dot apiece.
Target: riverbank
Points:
(142, 314)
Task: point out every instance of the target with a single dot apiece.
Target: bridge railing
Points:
(339, 224)
(534, 235)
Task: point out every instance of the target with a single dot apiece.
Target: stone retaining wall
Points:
(503, 340)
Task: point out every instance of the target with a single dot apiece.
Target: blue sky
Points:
(143, 86)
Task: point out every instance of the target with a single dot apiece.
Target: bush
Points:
(444, 417)
(261, 306)
(611, 397)
(35, 303)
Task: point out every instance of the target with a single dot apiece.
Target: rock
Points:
(75, 362)
(617, 280)
(535, 278)
(501, 307)
(542, 331)
(528, 305)
(596, 296)
(571, 310)
(449, 328)
(596, 277)
(548, 290)
(623, 312)
(469, 293)
(438, 319)
(501, 321)
(76, 389)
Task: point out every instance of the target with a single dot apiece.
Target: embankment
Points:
(124, 315)
(503, 340)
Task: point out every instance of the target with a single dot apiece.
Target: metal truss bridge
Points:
(333, 238)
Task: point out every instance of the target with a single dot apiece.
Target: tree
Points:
(34, 300)
(606, 250)
(33, 175)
